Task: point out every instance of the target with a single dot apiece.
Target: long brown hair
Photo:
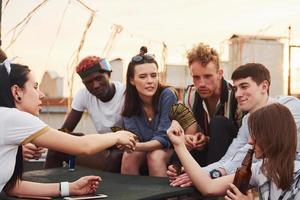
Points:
(274, 130)
(132, 99)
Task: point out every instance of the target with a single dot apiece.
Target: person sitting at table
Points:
(276, 176)
(20, 103)
(103, 100)
(30, 151)
(146, 108)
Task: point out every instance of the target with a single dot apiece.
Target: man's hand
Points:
(182, 181)
(200, 141)
(196, 141)
(189, 142)
(125, 148)
(30, 151)
(172, 173)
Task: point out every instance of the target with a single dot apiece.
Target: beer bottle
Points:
(243, 173)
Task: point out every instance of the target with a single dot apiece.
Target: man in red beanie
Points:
(103, 101)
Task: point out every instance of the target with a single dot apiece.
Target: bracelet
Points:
(64, 189)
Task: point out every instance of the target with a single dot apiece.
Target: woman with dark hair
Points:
(20, 103)
(276, 175)
(146, 108)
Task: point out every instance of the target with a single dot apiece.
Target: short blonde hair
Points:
(203, 54)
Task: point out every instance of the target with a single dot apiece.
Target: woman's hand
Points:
(84, 185)
(31, 151)
(182, 180)
(126, 148)
(237, 195)
(176, 134)
(126, 139)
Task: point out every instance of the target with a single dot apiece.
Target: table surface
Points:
(116, 186)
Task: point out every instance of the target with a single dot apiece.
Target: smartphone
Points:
(92, 196)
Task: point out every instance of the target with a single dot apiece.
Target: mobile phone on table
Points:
(92, 196)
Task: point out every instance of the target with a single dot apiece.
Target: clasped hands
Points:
(196, 141)
(31, 151)
(126, 141)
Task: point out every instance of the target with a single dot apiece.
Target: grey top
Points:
(239, 146)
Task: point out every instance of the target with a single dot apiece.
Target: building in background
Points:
(118, 70)
(266, 50)
(178, 76)
(52, 84)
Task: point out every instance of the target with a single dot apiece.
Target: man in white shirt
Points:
(103, 101)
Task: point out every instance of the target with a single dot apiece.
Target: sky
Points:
(178, 23)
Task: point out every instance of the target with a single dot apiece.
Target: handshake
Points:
(122, 145)
(126, 141)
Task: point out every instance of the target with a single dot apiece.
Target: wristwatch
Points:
(215, 173)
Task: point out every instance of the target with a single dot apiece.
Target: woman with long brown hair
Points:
(146, 113)
(273, 135)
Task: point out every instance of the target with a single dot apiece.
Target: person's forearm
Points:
(200, 179)
(148, 146)
(26, 188)
(99, 142)
(72, 120)
(84, 145)
(215, 165)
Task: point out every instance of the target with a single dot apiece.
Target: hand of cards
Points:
(182, 114)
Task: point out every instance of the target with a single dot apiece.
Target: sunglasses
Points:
(140, 58)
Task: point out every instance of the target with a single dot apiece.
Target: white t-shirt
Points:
(103, 114)
(16, 128)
